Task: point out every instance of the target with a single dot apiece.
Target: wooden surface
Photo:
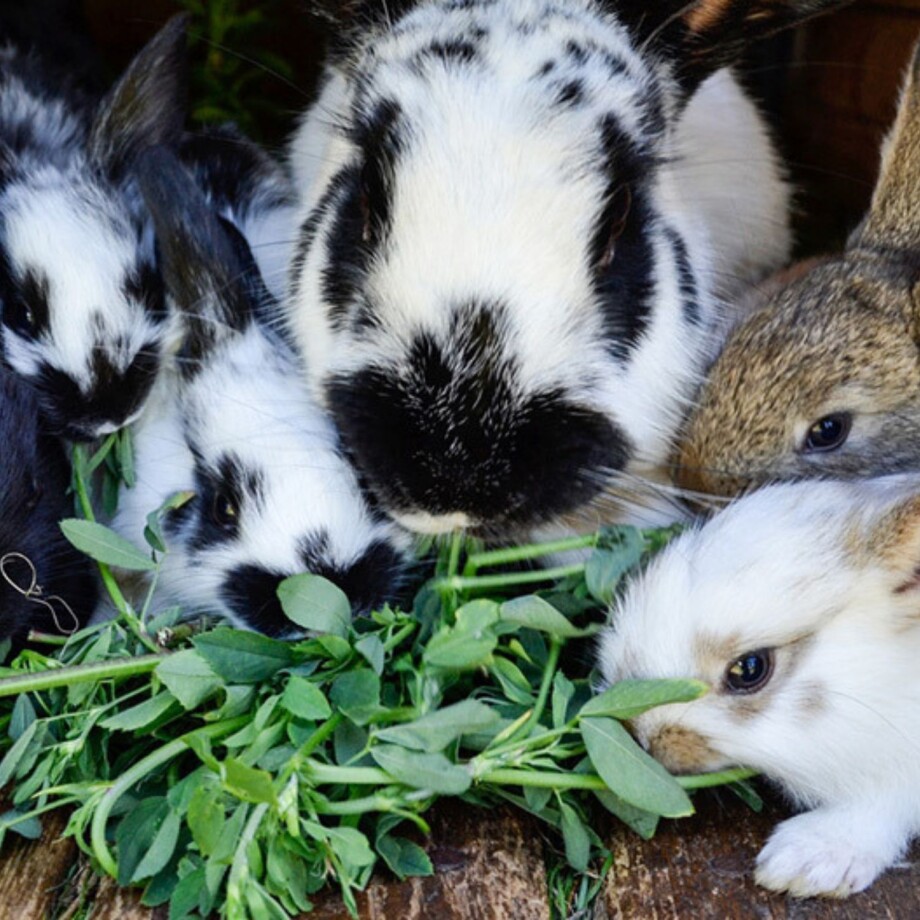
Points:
(490, 866)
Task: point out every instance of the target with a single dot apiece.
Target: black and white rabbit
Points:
(232, 422)
(45, 584)
(519, 220)
(84, 320)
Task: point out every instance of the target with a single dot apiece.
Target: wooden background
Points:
(832, 88)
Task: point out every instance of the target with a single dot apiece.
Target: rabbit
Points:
(519, 219)
(824, 380)
(45, 584)
(246, 185)
(799, 606)
(84, 320)
(230, 421)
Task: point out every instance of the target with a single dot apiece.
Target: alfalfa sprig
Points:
(231, 772)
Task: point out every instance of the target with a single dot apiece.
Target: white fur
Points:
(799, 569)
(497, 196)
(247, 402)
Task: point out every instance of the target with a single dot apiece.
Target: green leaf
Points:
(206, 818)
(563, 691)
(153, 532)
(514, 684)
(189, 677)
(22, 717)
(161, 850)
(104, 545)
(371, 649)
(17, 755)
(605, 568)
(243, 657)
(577, 842)
(315, 603)
(630, 698)
(136, 833)
(247, 783)
(434, 731)
(357, 694)
(404, 857)
(630, 773)
(422, 771)
(305, 700)
(477, 616)
(184, 898)
(141, 715)
(535, 613)
(30, 827)
(644, 823)
(351, 846)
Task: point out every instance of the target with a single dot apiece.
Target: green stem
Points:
(41, 638)
(398, 637)
(456, 545)
(308, 747)
(355, 806)
(78, 674)
(588, 781)
(108, 579)
(321, 773)
(136, 773)
(510, 579)
(239, 868)
(514, 554)
(549, 672)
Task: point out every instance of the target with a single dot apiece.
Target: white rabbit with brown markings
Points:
(799, 605)
(519, 220)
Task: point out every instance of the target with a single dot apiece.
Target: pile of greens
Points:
(226, 771)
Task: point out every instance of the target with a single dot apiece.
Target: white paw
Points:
(812, 855)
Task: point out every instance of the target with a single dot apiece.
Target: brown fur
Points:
(681, 750)
(843, 337)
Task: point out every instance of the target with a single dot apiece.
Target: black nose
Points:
(251, 592)
(466, 447)
(113, 398)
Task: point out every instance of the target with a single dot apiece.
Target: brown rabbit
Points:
(824, 380)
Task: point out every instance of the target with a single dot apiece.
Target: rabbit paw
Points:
(818, 854)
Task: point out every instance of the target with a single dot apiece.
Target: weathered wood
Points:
(32, 873)
(702, 868)
(489, 866)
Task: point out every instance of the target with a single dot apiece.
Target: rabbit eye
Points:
(750, 672)
(225, 512)
(828, 433)
(20, 317)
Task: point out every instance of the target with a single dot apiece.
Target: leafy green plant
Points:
(229, 66)
(226, 771)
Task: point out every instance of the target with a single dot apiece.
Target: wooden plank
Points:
(702, 868)
(33, 873)
(488, 864)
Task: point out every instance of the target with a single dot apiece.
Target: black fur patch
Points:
(230, 484)
(145, 286)
(252, 592)
(114, 397)
(34, 478)
(625, 287)
(457, 50)
(689, 291)
(450, 432)
(24, 301)
(571, 93)
(362, 220)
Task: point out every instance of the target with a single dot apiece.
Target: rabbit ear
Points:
(892, 540)
(704, 35)
(206, 263)
(893, 222)
(147, 105)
